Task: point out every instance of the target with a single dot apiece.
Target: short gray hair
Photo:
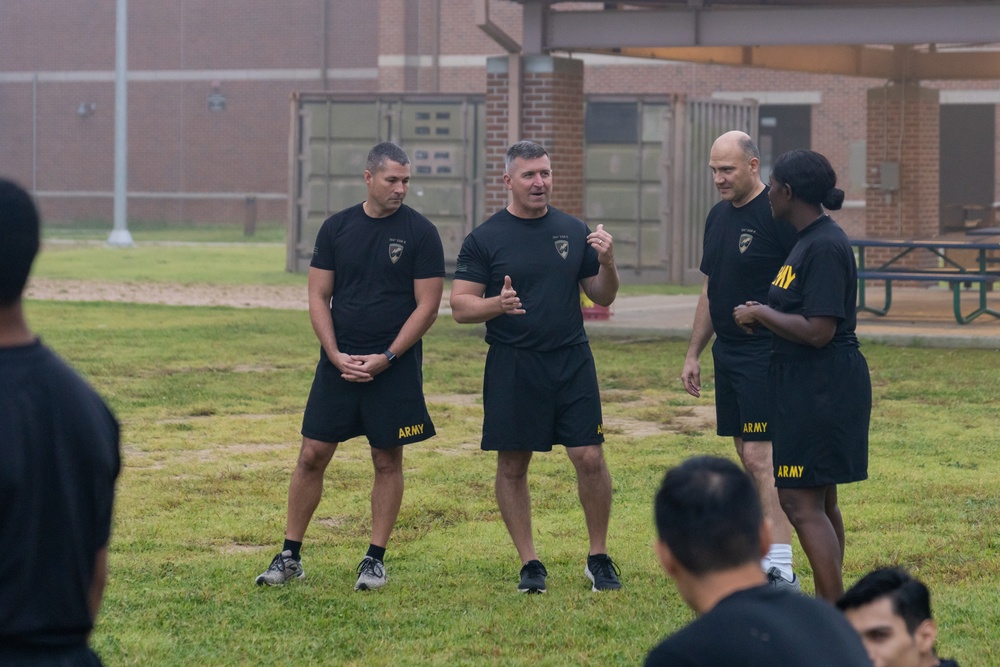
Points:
(385, 151)
(524, 150)
(749, 148)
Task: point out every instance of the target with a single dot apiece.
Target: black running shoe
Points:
(532, 577)
(603, 573)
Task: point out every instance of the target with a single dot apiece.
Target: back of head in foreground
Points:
(711, 538)
(708, 514)
(59, 446)
(19, 241)
(891, 610)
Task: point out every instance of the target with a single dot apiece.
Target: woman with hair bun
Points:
(818, 378)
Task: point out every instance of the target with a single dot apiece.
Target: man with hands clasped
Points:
(375, 286)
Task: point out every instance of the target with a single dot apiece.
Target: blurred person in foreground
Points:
(59, 448)
(818, 379)
(892, 612)
(711, 534)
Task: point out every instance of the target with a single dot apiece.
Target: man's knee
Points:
(513, 465)
(588, 460)
(756, 458)
(387, 461)
(315, 455)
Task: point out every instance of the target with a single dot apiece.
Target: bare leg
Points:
(514, 501)
(387, 492)
(808, 512)
(833, 513)
(306, 487)
(593, 482)
(757, 459)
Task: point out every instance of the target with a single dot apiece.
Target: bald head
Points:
(735, 164)
(735, 140)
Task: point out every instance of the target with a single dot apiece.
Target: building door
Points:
(967, 166)
(783, 128)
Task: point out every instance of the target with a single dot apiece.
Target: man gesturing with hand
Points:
(521, 273)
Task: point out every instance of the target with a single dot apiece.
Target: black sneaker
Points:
(532, 577)
(603, 573)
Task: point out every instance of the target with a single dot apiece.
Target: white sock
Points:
(779, 556)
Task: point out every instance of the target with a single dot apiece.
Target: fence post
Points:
(250, 217)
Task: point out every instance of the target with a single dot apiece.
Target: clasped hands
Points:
(745, 316)
(359, 367)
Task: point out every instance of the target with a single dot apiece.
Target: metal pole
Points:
(34, 132)
(119, 234)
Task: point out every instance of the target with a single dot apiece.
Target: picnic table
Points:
(983, 273)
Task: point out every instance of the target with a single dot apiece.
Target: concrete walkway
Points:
(918, 317)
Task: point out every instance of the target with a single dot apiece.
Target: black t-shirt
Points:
(744, 248)
(764, 627)
(375, 261)
(59, 459)
(546, 258)
(819, 279)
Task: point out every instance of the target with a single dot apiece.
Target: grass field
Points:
(210, 400)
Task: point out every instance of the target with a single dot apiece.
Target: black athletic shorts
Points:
(534, 400)
(742, 403)
(390, 410)
(822, 408)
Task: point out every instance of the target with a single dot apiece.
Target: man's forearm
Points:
(472, 309)
(604, 286)
(417, 324)
(701, 328)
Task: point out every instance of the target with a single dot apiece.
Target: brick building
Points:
(210, 82)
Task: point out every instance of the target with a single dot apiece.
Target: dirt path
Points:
(171, 294)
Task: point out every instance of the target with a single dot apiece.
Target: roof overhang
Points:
(891, 39)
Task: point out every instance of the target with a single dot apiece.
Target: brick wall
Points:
(904, 129)
(552, 106)
(552, 115)
(176, 145)
(497, 119)
(179, 150)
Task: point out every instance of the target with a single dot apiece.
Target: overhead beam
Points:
(574, 30)
(846, 60)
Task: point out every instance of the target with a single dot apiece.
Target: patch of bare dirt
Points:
(693, 419)
(682, 420)
(287, 297)
(237, 548)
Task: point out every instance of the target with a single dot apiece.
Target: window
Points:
(612, 123)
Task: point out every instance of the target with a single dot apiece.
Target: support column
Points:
(545, 98)
(904, 137)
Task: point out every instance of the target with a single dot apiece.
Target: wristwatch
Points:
(390, 356)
